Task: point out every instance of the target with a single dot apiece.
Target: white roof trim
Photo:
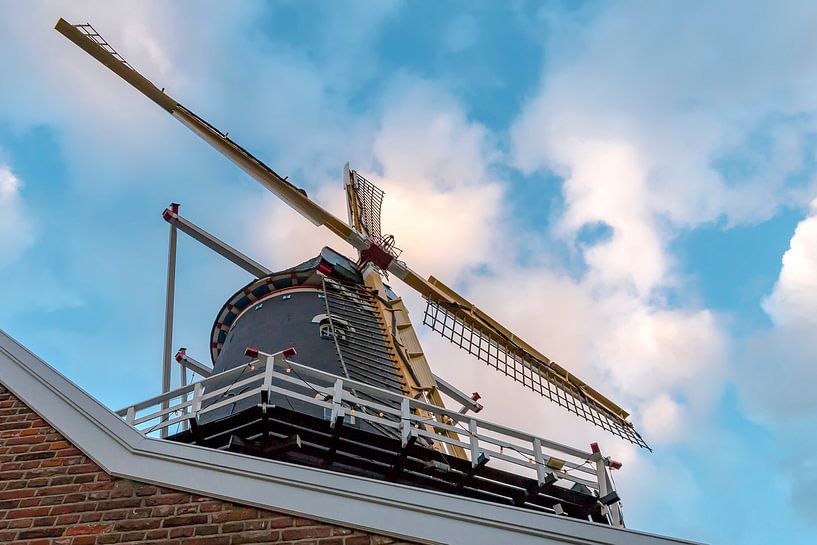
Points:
(396, 510)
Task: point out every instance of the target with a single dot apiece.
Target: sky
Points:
(630, 186)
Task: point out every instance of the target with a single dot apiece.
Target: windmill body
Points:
(320, 307)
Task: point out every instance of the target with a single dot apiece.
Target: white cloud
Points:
(659, 121)
(607, 183)
(678, 92)
(793, 302)
(442, 202)
(280, 237)
(635, 154)
(9, 185)
(662, 419)
(17, 231)
(779, 373)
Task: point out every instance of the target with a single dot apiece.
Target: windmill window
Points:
(341, 329)
(325, 330)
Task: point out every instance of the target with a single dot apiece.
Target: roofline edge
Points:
(375, 506)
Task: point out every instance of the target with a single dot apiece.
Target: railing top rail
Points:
(302, 372)
(455, 415)
(167, 396)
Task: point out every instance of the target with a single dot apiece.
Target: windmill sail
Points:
(89, 40)
(365, 201)
(507, 357)
(448, 313)
(473, 330)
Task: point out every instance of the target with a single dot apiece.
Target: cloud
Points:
(442, 203)
(607, 183)
(662, 419)
(17, 229)
(660, 121)
(634, 154)
(793, 300)
(678, 91)
(779, 372)
(443, 199)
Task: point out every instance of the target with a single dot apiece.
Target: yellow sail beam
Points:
(297, 199)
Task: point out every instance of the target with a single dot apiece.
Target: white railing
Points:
(537, 457)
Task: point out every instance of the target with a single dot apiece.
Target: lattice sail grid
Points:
(500, 354)
(91, 32)
(369, 202)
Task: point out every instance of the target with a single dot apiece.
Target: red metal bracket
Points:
(375, 254)
(325, 268)
(170, 211)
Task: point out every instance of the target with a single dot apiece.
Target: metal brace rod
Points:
(188, 362)
(468, 403)
(172, 216)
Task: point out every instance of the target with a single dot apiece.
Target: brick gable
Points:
(52, 494)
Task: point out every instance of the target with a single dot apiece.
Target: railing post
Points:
(472, 435)
(337, 403)
(405, 422)
(183, 381)
(539, 459)
(197, 392)
(131, 415)
(269, 367)
(606, 486)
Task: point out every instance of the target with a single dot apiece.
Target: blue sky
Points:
(630, 186)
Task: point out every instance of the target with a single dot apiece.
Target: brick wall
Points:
(51, 494)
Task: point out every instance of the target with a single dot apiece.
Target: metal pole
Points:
(171, 288)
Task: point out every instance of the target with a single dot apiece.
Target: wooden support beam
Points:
(398, 466)
(333, 442)
(466, 478)
(536, 488)
(266, 448)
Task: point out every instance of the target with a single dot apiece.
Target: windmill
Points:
(368, 324)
